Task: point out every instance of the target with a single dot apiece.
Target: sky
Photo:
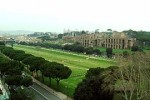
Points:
(60, 15)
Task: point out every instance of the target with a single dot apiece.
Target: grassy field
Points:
(115, 50)
(78, 63)
(122, 50)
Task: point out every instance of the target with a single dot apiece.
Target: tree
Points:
(7, 51)
(68, 47)
(60, 36)
(109, 52)
(2, 47)
(36, 63)
(60, 72)
(134, 48)
(13, 71)
(98, 85)
(28, 60)
(97, 51)
(89, 50)
(109, 30)
(78, 48)
(125, 54)
(43, 69)
(83, 32)
(4, 67)
(88, 89)
(133, 77)
(12, 81)
(22, 94)
(16, 64)
(18, 54)
(94, 72)
(11, 67)
(21, 57)
(26, 81)
(2, 43)
(92, 89)
(97, 31)
(48, 71)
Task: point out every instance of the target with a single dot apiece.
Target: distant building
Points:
(24, 38)
(2, 38)
(70, 35)
(43, 34)
(115, 40)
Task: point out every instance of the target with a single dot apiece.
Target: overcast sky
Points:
(57, 15)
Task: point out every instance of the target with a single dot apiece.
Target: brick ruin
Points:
(115, 40)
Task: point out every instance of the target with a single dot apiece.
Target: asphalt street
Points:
(42, 94)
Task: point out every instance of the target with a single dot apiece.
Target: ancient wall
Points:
(115, 41)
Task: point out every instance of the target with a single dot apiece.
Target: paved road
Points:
(42, 94)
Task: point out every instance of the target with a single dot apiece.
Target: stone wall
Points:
(116, 40)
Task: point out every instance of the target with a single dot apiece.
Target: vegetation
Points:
(98, 85)
(133, 77)
(78, 63)
(60, 72)
(57, 71)
(129, 81)
(46, 45)
(80, 49)
(2, 43)
(76, 47)
(136, 48)
(109, 52)
(125, 54)
(106, 80)
(94, 72)
(11, 73)
(139, 35)
(22, 94)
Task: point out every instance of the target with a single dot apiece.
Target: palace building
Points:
(115, 40)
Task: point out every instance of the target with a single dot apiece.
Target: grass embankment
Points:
(78, 63)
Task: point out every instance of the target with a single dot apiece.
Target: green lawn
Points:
(78, 63)
(115, 50)
(120, 51)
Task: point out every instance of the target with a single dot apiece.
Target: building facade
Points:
(115, 40)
